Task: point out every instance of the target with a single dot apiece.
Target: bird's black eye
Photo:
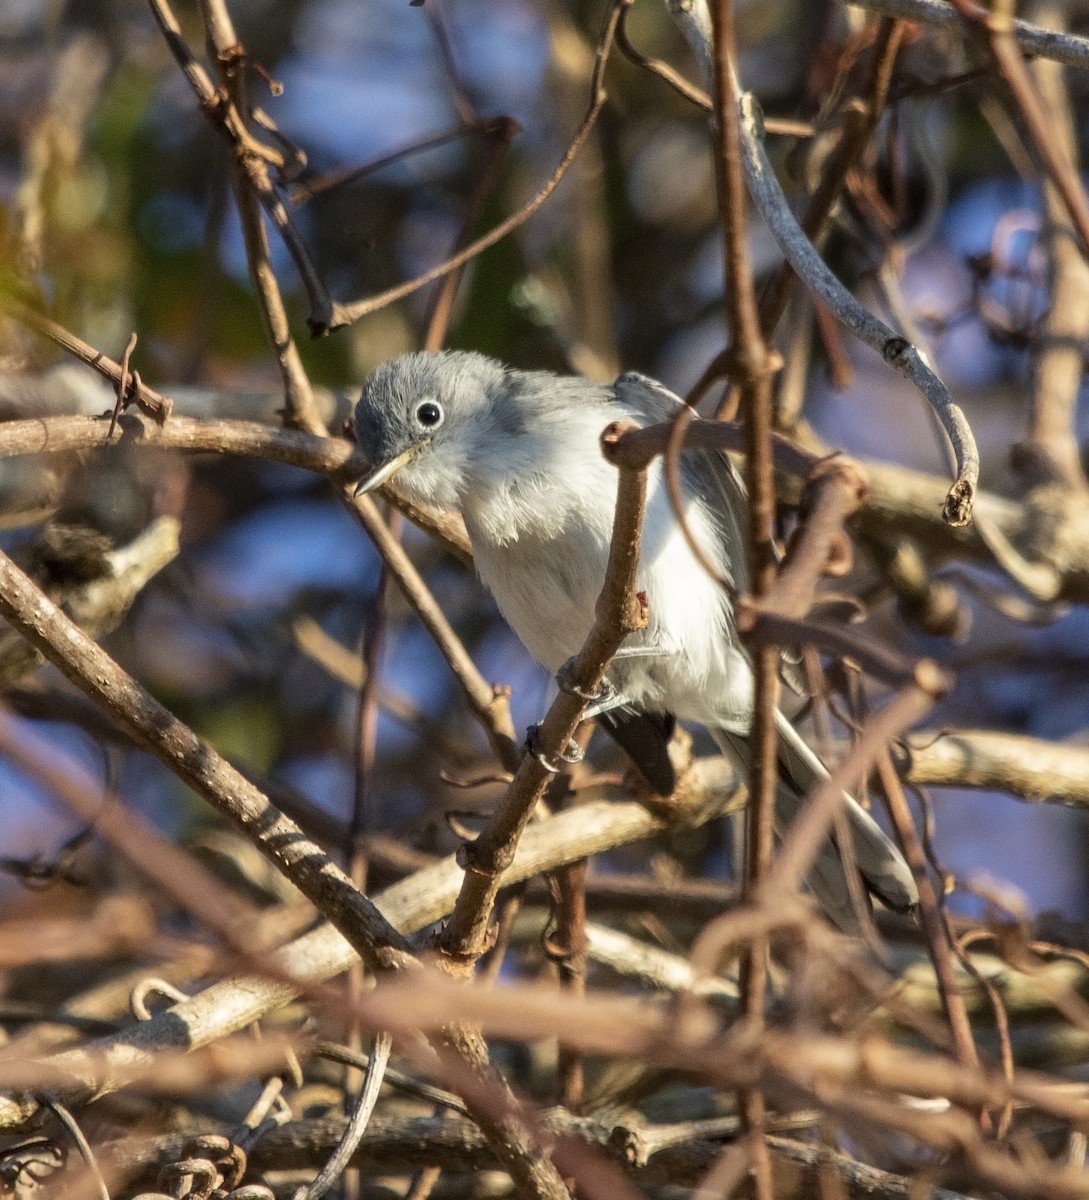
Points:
(429, 414)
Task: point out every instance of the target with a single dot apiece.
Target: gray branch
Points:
(1065, 48)
(694, 21)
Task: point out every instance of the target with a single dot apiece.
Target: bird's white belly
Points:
(547, 590)
(545, 593)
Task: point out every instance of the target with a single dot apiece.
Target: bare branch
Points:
(344, 314)
(895, 350)
(710, 789)
(1050, 450)
(1066, 48)
(152, 726)
(1032, 769)
(619, 612)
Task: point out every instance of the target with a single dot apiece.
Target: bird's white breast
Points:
(541, 544)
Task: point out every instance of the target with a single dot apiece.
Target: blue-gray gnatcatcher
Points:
(517, 453)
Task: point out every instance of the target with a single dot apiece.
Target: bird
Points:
(517, 454)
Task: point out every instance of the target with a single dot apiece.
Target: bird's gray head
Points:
(426, 418)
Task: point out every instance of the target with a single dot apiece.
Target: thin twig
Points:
(751, 368)
(153, 402)
(710, 789)
(812, 827)
(1050, 452)
(221, 106)
(860, 119)
(693, 18)
(663, 70)
(941, 952)
(155, 728)
(344, 314)
(997, 31)
(1068, 48)
(1032, 769)
(895, 350)
(356, 1125)
(619, 612)
(567, 946)
(502, 134)
(833, 492)
(253, 190)
(303, 193)
(488, 703)
(76, 1134)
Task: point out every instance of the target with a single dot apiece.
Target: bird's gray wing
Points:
(716, 478)
(878, 860)
(712, 476)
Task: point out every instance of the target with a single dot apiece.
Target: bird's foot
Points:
(571, 754)
(604, 698)
(566, 683)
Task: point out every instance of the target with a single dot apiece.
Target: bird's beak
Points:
(387, 470)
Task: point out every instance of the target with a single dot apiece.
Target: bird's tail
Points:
(879, 862)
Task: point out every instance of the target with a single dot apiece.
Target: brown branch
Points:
(253, 190)
(57, 435)
(308, 867)
(708, 790)
(663, 70)
(638, 448)
(300, 410)
(446, 527)
(344, 314)
(178, 874)
(996, 30)
(937, 935)
(875, 659)
(300, 449)
(226, 109)
(619, 612)
(463, 103)
(603, 1023)
(488, 703)
(515, 1148)
(567, 947)
(898, 500)
(98, 605)
(750, 366)
(303, 193)
(1034, 770)
(811, 829)
(153, 402)
(152, 726)
(1049, 453)
(860, 121)
(833, 492)
(861, 115)
(365, 1085)
(502, 133)
(1068, 48)
(396, 1145)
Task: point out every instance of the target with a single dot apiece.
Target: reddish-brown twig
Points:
(153, 402)
(941, 953)
(619, 613)
(996, 29)
(344, 314)
(151, 725)
(750, 366)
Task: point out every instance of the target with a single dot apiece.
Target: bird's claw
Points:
(571, 754)
(566, 683)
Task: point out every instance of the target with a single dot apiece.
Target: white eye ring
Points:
(429, 414)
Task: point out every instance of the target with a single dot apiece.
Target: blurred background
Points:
(115, 205)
